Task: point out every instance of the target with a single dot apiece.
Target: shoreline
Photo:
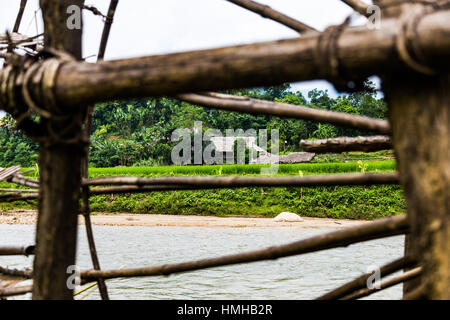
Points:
(21, 217)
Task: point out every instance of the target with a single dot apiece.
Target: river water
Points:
(299, 277)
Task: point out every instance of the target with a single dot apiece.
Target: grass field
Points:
(356, 202)
(253, 169)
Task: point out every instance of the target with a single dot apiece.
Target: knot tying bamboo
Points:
(42, 74)
(406, 41)
(327, 59)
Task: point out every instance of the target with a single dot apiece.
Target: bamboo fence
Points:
(413, 40)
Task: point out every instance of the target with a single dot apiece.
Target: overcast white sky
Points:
(146, 27)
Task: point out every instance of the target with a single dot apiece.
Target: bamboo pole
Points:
(256, 106)
(17, 190)
(11, 197)
(24, 181)
(240, 182)
(60, 172)
(16, 251)
(267, 12)
(23, 3)
(142, 185)
(85, 166)
(408, 275)
(420, 136)
(361, 281)
(107, 29)
(374, 230)
(27, 273)
(346, 144)
(360, 51)
(15, 291)
(16, 27)
(9, 172)
(357, 5)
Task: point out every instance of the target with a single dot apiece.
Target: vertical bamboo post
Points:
(60, 179)
(85, 162)
(420, 117)
(23, 3)
(419, 113)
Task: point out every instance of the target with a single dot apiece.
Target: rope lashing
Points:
(406, 47)
(327, 59)
(406, 41)
(36, 78)
(43, 73)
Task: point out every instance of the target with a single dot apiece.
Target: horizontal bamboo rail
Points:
(374, 230)
(405, 276)
(18, 190)
(359, 51)
(27, 274)
(15, 291)
(267, 12)
(240, 182)
(15, 251)
(357, 5)
(9, 172)
(11, 197)
(141, 185)
(361, 281)
(346, 144)
(24, 181)
(260, 107)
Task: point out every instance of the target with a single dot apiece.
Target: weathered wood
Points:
(422, 145)
(240, 182)
(15, 291)
(361, 281)
(361, 51)
(346, 144)
(17, 190)
(421, 137)
(60, 177)
(107, 29)
(16, 251)
(267, 12)
(27, 273)
(11, 197)
(370, 231)
(9, 172)
(142, 185)
(23, 4)
(84, 170)
(24, 181)
(357, 5)
(256, 106)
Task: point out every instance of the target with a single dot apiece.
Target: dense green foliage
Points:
(138, 133)
(340, 202)
(133, 138)
(15, 148)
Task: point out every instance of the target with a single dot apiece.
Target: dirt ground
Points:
(127, 219)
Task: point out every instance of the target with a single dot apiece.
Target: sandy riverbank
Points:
(29, 217)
